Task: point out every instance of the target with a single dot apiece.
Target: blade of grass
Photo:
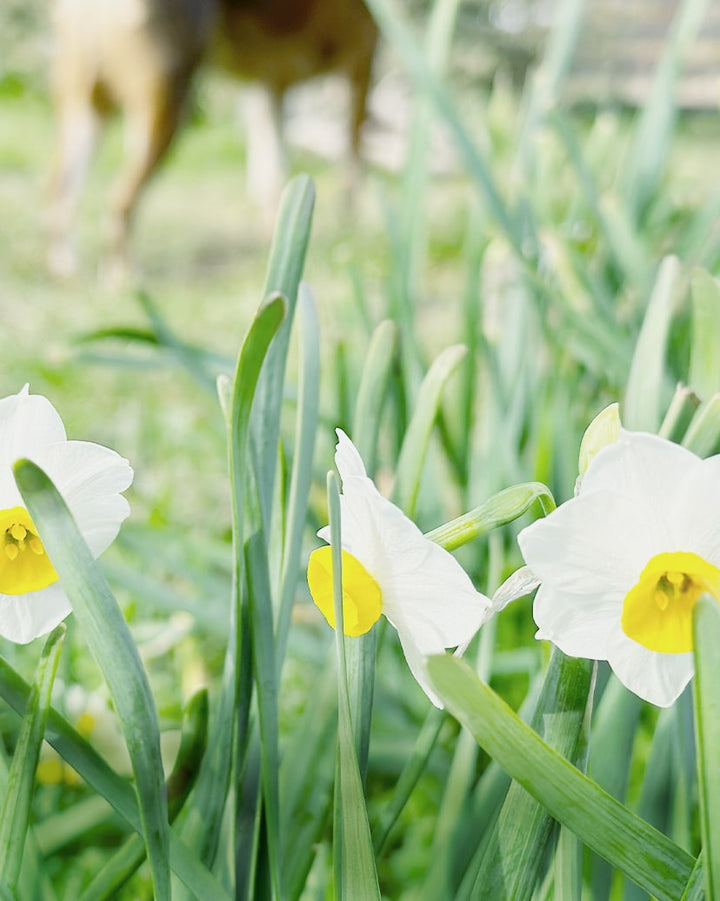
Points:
(115, 653)
(602, 823)
(15, 812)
(706, 634)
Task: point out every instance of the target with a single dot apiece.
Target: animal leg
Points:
(77, 130)
(266, 163)
(360, 77)
(149, 129)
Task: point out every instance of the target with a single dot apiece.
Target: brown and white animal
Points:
(140, 56)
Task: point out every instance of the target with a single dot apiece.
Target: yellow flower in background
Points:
(390, 568)
(622, 564)
(88, 476)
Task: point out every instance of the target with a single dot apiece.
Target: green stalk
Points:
(15, 812)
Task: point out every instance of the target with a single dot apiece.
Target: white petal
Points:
(419, 639)
(437, 591)
(658, 678)
(24, 617)
(641, 461)
(692, 512)
(592, 543)
(426, 594)
(28, 422)
(583, 625)
(9, 494)
(90, 478)
(347, 458)
(518, 585)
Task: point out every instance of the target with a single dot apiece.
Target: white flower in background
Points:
(88, 476)
(622, 564)
(390, 568)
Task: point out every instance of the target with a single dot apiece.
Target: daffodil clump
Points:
(623, 563)
(90, 479)
(389, 568)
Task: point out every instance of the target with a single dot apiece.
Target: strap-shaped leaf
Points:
(115, 653)
(15, 812)
(602, 823)
(706, 629)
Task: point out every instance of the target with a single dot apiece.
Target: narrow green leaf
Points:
(398, 35)
(285, 267)
(307, 772)
(205, 813)
(645, 387)
(706, 633)
(371, 393)
(417, 437)
(361, 653)
(544, 84)
(704, 376)
(15, 812)
(301, 475)
(76, 751)
(679, 414)
(651, 141)
(193, 358)
(354, 862)
(703, 434)
(264, 672)
(500, 509)
(603, 824)
(123, 864)
(115, 653)
(695, 888)
(411, 772)
(515, 853)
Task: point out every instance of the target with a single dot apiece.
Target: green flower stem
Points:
(354, 862)
(706, 630)
(679, 414)
(15, 813)
(115, 653)
(703, 434)
(514, 856)
(121, 866)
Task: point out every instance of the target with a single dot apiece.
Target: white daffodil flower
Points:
(88, 476)
(622, 564)
(390, 568)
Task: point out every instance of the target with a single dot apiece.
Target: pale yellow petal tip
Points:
(602, 431)
(362, 598)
